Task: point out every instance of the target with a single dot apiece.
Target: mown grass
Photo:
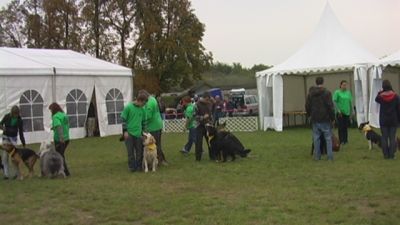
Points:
(278, 184)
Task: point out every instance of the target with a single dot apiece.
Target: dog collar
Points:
(152, 147)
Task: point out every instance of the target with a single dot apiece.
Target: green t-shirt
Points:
(14, 121)
(133, 116)
(189, 114)
(343, 100)
(60, 119)
(153, 115)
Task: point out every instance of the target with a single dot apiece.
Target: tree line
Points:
(160, 39)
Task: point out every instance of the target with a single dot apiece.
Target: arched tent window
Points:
(31, 109)
(115, 105)
(76, 108)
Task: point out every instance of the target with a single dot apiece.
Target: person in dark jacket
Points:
(203, 111)
(12, 125)
(388, 118)
(320, 108)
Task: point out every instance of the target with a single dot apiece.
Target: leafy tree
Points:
(61, 24)
(97, 39)
(168, 45)
(119, 14)
(11, 24)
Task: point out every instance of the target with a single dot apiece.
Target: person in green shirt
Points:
(190, 123)
(60, 127)
(343, 103)
(133, 117)
(154, 124)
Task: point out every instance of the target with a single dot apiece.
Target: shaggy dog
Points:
(224, 143)
(150, 152)
(20, 156)
(373, 137)
(335, 144)
(51, 162)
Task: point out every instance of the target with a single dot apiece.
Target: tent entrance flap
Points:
(92, 121)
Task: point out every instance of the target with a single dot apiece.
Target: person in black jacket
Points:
(320, 108)
(388, 118)
(203, 110)
(12, 125)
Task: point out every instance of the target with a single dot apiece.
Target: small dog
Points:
(150, 152)
(20, 156)
(335, 144)
(370, 135)
(224, 143)
(51, 162)
(373, 137)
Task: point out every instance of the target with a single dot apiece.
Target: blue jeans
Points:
(326, 130)
(388, 141)
(191, 139)
(135, 153)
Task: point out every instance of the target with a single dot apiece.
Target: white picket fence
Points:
(234, 124)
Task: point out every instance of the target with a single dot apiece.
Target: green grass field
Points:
(278, 183)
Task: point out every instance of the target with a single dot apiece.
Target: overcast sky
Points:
(268, 31)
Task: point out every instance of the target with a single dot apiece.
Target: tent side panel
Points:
(33, 96)
(79, 93)
(117, 91)
(261, 88)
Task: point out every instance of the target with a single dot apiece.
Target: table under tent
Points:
(331, 53)
(34, 78)
(387, 68)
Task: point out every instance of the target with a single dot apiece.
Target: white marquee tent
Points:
(387, 68)
(330, 52)
(34, 78)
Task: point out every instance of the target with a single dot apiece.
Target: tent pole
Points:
(53, 86)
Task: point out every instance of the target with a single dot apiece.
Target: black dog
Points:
(224, 143)
(371, 135)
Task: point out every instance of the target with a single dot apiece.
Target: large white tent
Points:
(330, 52)
(386, 68)
(34, 78)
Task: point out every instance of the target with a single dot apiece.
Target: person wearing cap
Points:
(190, 123)
(12, 125)
(203, 114)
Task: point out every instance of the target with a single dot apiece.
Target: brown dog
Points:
(20, 156)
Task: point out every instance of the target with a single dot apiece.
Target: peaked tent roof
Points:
(392, 60)
(24, 61)
(330, 48)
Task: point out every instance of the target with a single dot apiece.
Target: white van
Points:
(245, 105)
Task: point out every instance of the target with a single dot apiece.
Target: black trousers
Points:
(388, 141)
(160, 153)
(201, 133)
(60, 148)
(343, 122)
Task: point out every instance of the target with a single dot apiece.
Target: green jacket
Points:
(153, 121)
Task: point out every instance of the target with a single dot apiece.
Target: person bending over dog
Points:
(203, 116)
(12, 125)
(154, 124)
(60, 127)
(389, 115)
(319, 107)
(133, 117)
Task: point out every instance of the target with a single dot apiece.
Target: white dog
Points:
(150, 152)
(51, 162)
